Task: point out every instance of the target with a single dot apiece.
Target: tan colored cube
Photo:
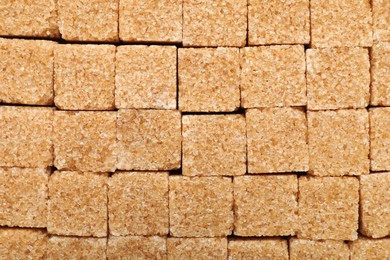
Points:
(84, 77)
(265, 205)
(150, 21)
(341, 23)
(200, 206)
(78, 204)
(137, 247)
(338, 142)
(27, 72)
(276, 22)
(23, 196)
(273, 76)
(328, 208)
(338, 78)
(374, 205)
(303, 249)
(145, 77)
(138, 203)
(197, 248)
(85, 141)
(149, 139)
(214, 23)
(16, 243)
(92, 20)
(366, 248)
(262, 248)
(214, 145)
(31, 18)
(380, 67)
(76, 248)
(26, 136)
(276, 140)
(381, 20)
(380, 139)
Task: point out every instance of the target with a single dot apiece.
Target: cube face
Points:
(94, 20)
(374, 196)
(380, 86)
(26, 136)
(302, 249)
(154, 84)
(84, 77)
(150, 21)
(91, 136)
(366, 248)
(338, 142)
(149, 139)
(209, 79)
(138, 203)
(273, 76)
(274, 22)
(338, 78)
(78, 204)
(381, 20)
(380, 139)
(76, 248)
(328, 208)
(27, 71)
(265, 205)
(335, 23)
(207, 152)
(216, 23)
(276, 140)
(258, 249)
(200, 206)
(197, 248)
(24, 195)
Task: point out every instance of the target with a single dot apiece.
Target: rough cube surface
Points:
(380, 139)
(197, 248)
(214, 23)
(338, 142)
(25, 135)
(380, 67)
(149, 139)
(381, 20)
(276, 139)
(200, 206)
(302, 249)
(365, 248)
(76, 248)
(138, 203)
(145, 77)
(78, 204)
(328, 208)
(273, 76)
(214, 145)
(274, 248)
(85, 141)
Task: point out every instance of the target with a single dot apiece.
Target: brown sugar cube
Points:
(341, 23)
(145, 77)
(338, 142)
(84, 77)
(214, 145)
(381, 20)
(209, 79)
(374, 205)
(328, 208)
(149, 139)
(76, 248)
(138, 203)
(23, 196)
(338, 78)
(380, 139)
(265, 205)
(302, 249)
(380, 67)
(262, 248)
(200, 206)
(25, 136)
(273, 76)
(276, 140)
(197, 248)
(150, 21)
(31, 18)
(78, 204)
(137, 247)
(366, 248)
(85, 141)
(92, 20)
(27, 72)
(276, 22)
(214, 23)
